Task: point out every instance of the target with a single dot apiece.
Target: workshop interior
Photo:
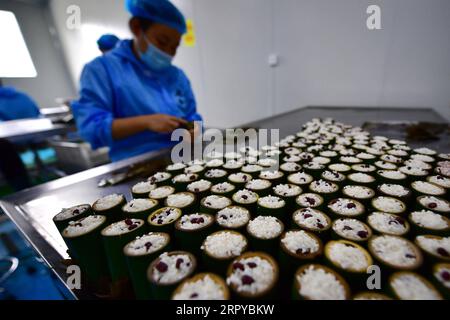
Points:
(224, 150)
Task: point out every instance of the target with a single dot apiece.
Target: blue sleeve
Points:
(191, 114)
(18, 106)
(93, 112)
(32, 107)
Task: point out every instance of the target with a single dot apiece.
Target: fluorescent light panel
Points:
(15, 59)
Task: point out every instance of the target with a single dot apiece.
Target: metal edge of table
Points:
(335, 108)
(57, 129)
(46, 252)
(84, 175)
(11, 206)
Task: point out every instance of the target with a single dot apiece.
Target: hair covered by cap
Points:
(159, 11)
(107, 42)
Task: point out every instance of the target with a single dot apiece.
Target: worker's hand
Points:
(163, 123)
(190, 135)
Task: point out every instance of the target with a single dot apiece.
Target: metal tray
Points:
(32, 210)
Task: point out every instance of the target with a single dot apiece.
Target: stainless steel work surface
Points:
(19, 131)
(291, 122)
(32, 210)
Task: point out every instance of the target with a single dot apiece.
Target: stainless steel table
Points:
(32, 130)
(32, 210)
(290, 122)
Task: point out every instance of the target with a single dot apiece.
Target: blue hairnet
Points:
(107, 42)
(159, 11)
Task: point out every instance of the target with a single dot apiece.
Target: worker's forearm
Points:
(127, 127)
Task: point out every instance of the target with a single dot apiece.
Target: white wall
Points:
(417, 70)
(330, 58)
(327, 55)
(228, 66)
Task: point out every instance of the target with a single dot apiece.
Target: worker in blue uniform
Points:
(16, 105)
(133, 97)
(107, 42)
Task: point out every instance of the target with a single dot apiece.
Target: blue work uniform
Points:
(15, 105)
(118, 85)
